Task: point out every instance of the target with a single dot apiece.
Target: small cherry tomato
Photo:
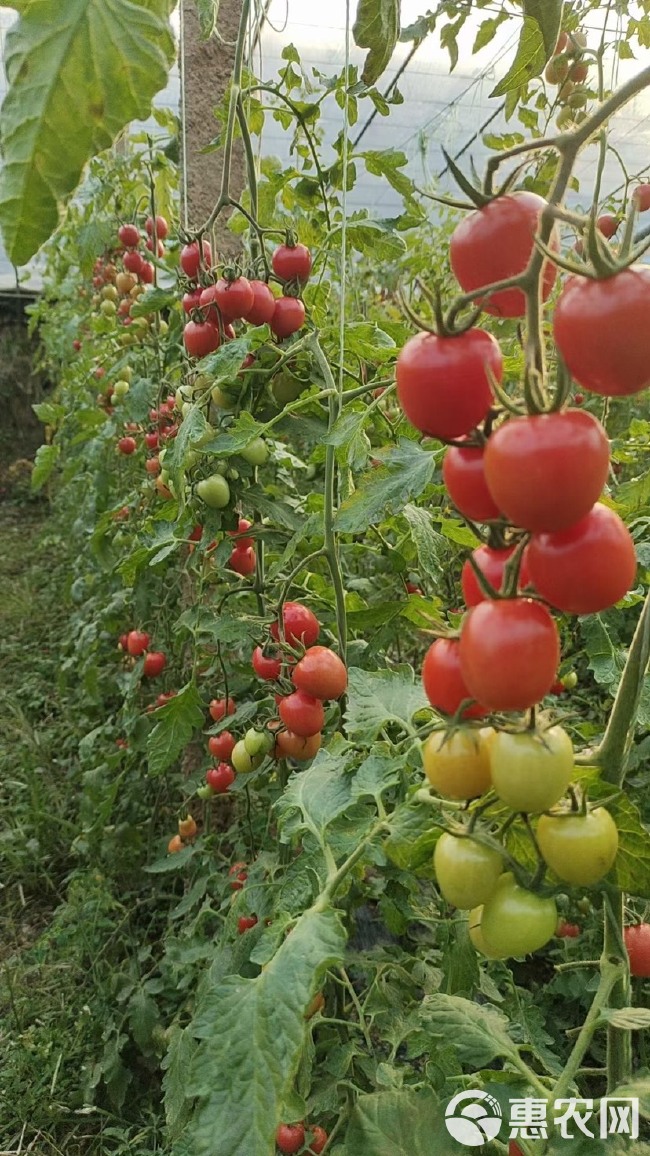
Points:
(220, 778)
(129, 236)
(299, 625)
(221, 746)
(292, 263)
(302, 714)
(262, 309)
(531, 770)
(137, 641)
(492, 563)
(290, 1138)
(243, 560)
(266, 666)
(443, 383)
(580, 849)
(288, 316)
(637, 942)
(320, 673)
(187, 828)
(443, 682)
(463, 472)
(234, 298)
(516, 921)
(245, 922)
(190, 258)
(466, 871)
(292, 746)
(154, 664)
(509, 653)
(220, 707)
(457, 765)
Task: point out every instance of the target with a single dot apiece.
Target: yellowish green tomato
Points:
(457, 765)
(256, 452)
(214, 491)
(581, 849)
(120, 389)
(531, 770)
(467, 872)
(476, 936)
(516, 921)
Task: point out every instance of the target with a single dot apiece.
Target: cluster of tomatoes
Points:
(293, 1138)
(134, 261)
(549, 544)
(213, 306)
(568, 69)
(136, 644)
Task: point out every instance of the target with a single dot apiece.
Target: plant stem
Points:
(610, 975)
(612, 752)
(619, 1041)
(235, 93)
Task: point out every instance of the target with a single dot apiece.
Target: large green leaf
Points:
(178, 719)
(538, 36)
(252, 1034)
(399, 1121)
(479, 1034)
(384, 491)
(378, 698)
(376, 27)
(78, 73)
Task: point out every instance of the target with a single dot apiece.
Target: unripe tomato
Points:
(187, 828)
(302, 714)
(466, 871)
(175, 844)
(531, 468)
(557, 69)
(256, 452)
(299, 625)
(531, 770)
(637, 942)
(463, 472)
(320, 673)
(214, 491)
(263, 307)
(221, 746)
(291, 746)
(457, 764)
(241, 760)
(190, 258)
(220, 778)
(288, 316)
(290, 1138)
(154, 664)
(442, 679)
(515, 921)
(127, 445)
(476, 935)
(137, 641)
(220, 707)
(443, 383)
(495, 243)
(509, 653)
(579, 848)
(245, 922)
(266, 666)
(257, 742)
(588, 566)
(491, 563)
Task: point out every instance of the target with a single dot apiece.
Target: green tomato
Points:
(242, 761)
(108, 308)
(256, 452)
(287, 388)
(467, 872)
(579, 848)
(220, 399)
(257, 742)
(214, 491)
(121, 388)
(516, 921)
(531, 770)
(163, 328)
(205, 792)
(474, 921)
(126, 374)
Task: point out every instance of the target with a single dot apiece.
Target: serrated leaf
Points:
(49, 412)
(152, 302)
(377, 699)
(606, 659)
(252, 1034)
(316, 797)
(369, 341)
(399, 1121)
(113, 55)
(177, 721)
(631, 870)
(376, 27)
(460, 961)
(176, 1065)
(223, 365)
(375, 238)
(387, 489)
(529, 60)
(235, 438)
(413, 835)
(429, 544)
(633, 497)
(479, 1034)
(208, 13)
(377, 774)
(487, 31)
(192, 428)
(44, 462)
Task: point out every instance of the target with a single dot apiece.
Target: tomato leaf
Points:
(44, 462)
(396, 1121)
(316, 797)
(539, 34)
(208, 14)
(629, 1019)
(177, 721)
(413, 835)
(252, 1033)
(479, 1034)
(113, 55)
(175, 1066)
(378, 698)
(407, 472)
(376, 27)
(430, 545)
(377, 774)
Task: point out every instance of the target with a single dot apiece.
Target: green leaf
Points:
(487, 31)
(631, 870)
(606, 659)
(375, 238)
(629, 1019)
(399, 1121)
(49, 412)
(368, 341)
(638, 1089)
(633, 497)
(316, 797)
(44, 462)
(529, 60)
(413, 835)
(208, 13)
(192, 428)
(429, 544)
(78, 73)
(176, 1065)
(223, 365)
(387, 489)
(377, 774)
(479, 1034)
(152, 302)
(388, 164)
(376, 27)
(378, 698)
(177, 721)
(252, 1034)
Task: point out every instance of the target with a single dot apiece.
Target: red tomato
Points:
(602, 330)
(492, 563)
(123, 642)
(290, 746)
(152, 466)
(220, 778)
(245, 922)
(127, 445)
(567, 930)
(496, 242)
(514, 1149)
(587, 567)
(162, 228)
(163, 699)
(242, 542)
(243, 560)
(509, 653)
(292, 263)
(147, 273)
(266, 666)
(641, 196)
(190, 258)
(546, 471)
(261, 311)
(222, 746)
(321, 673)
(290, 1138)
(197, 534)
(318, 1139)
(443, 383)
(201, 338)
(234, 298)
(443, 682)
(607, 225)
(192, 299)
(154, 664)
(302, 714)
(137, 641)
(220, 707)
(160, 248)
(463, 472)
(288, 316)
(129, 236)
(299, 625)
(637, 942)
(152, 441)
(238, 876)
